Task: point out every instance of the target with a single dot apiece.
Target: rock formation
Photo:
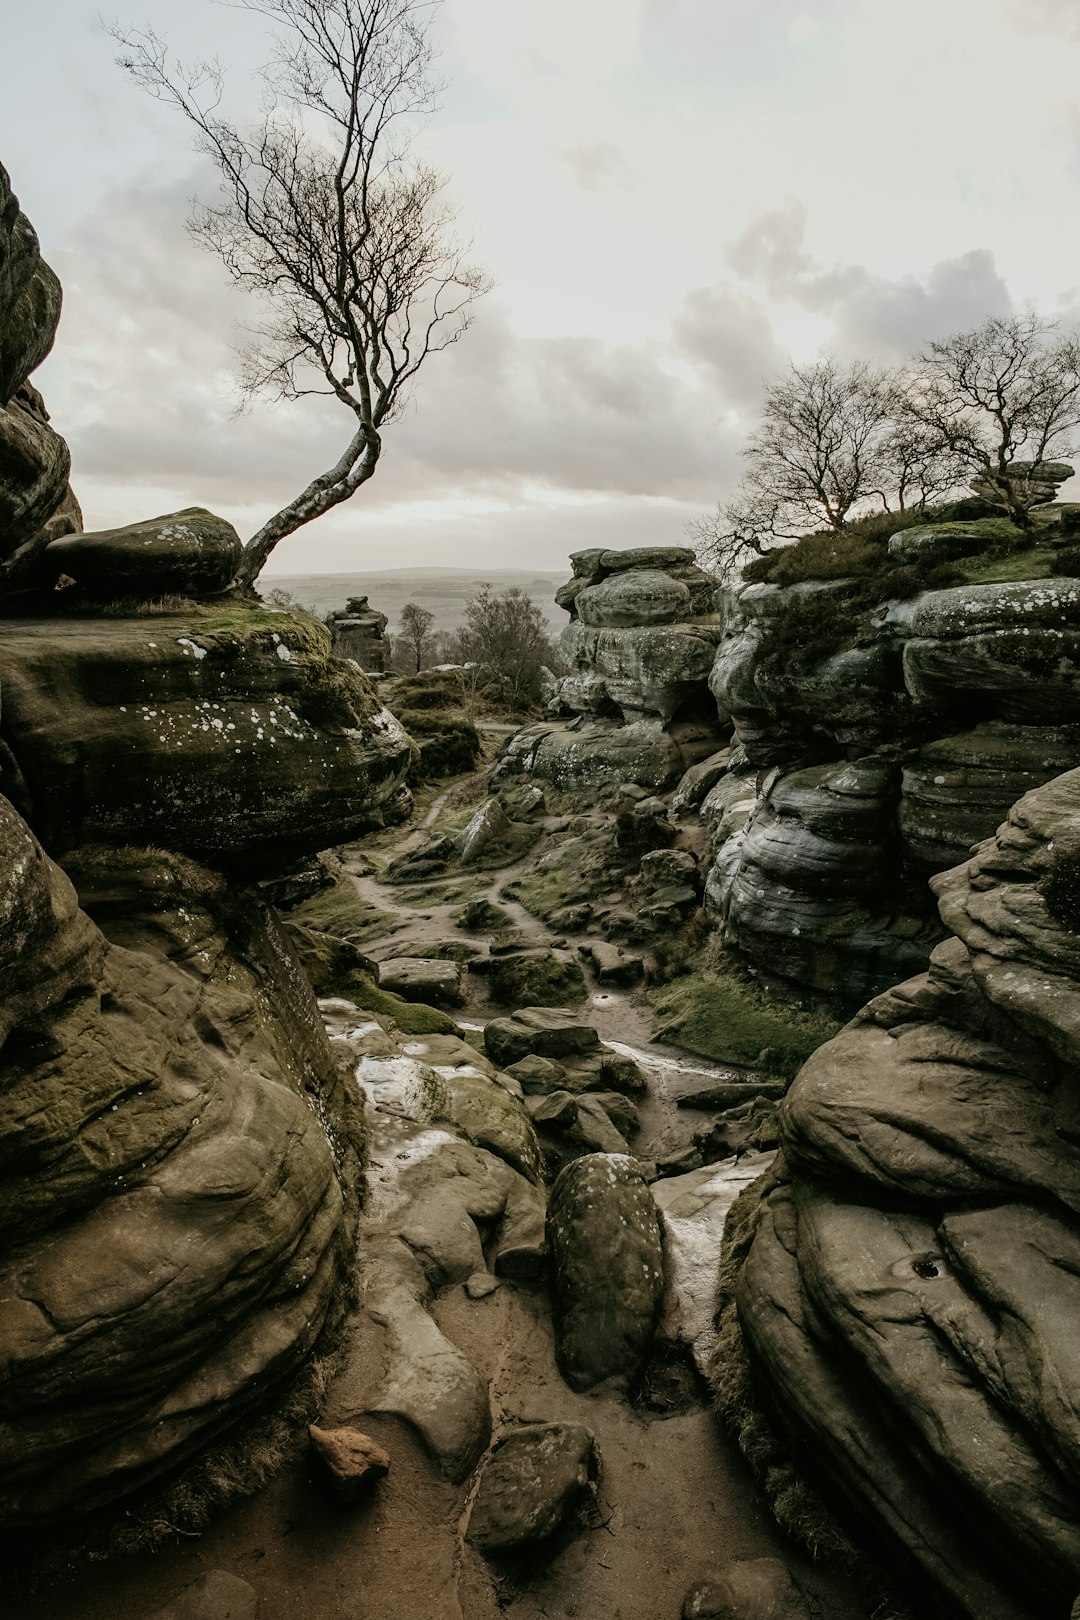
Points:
(358, 632)
(179, 1147)
(641, 641)
(910, 1295)
(886, 741)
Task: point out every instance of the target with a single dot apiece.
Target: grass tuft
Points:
(719, 1012)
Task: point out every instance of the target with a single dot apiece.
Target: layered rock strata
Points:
(878, 759)
(910, 1297)
(640, 643)
(179, 1173)
(180, 1153)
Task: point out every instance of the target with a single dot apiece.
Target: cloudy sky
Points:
(671, 196)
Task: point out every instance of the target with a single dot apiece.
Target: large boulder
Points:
(1008, 652)
(603, 753)
(177, 1173)
(231, 736)
(607, 1269)
(910, 1297)
(188, 553)
(648, 671)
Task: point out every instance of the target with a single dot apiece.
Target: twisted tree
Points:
(347, 243)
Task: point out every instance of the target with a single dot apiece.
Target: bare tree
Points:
(507, 639)
(415, 637)
(1003, 399)
(347, 244)
(833, 442)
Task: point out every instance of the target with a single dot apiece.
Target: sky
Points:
(671, 197)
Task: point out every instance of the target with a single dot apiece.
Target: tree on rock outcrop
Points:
(347, 243)
(833, 442)
(1003, 399)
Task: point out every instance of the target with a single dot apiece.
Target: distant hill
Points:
(443, 591)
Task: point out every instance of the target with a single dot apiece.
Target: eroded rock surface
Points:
(640, 644)
(910, 1296)
(224, 737)
(167, 1093)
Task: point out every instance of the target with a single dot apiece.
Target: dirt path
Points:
(676, 1497)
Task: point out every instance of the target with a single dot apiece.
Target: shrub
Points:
(1066, 563)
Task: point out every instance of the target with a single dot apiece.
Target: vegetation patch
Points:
(572, 870)
(720, 1013)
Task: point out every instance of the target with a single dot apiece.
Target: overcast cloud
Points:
(673, 198)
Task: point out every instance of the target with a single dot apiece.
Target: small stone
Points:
(752, 1589)
(558, 1110)
(216, 1596)
(546, 1031)
(536, 1075)
(481, 1284)
(352, 1461)
(536, 1481)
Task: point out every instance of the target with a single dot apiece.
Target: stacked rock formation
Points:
(911, 1296)
(179, 1150)
(880, 763)
(358, 632)
(641, 641)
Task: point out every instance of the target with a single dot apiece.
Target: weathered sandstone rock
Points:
(607, 1269)
(910, 1296)
(189, 553)
(166, 1094)
(538, 1479)
(34, 461)
(230, 737)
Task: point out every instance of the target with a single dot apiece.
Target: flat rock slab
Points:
(551, 1032)
(536, 1481)
(604, 1238)
(610, 963)
(754, 1589)
(415, 979)
(217, 1596)
(694, 1208)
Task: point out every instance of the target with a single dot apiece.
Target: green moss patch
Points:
(720, 1013)
(569, 871)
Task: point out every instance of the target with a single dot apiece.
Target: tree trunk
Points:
(328, 490)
